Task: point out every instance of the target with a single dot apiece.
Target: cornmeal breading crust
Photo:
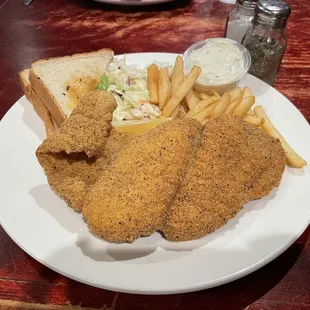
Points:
(179, 178)
(74, 157)
(234, 163)
(131, 197)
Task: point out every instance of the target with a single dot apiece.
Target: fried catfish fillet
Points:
(74, 157)
(234, 163)
(132, 195)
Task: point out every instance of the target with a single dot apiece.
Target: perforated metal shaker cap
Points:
(248, 3)
(273, 13)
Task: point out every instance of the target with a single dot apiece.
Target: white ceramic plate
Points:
(41, 223)
(134, 2)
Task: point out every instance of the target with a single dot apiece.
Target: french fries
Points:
(254, 120)
(203, 96)
(235, 93)
(201, 105)
(163, 87)
(245, 105)
(175, 113)
(177, 98)
(233, 105)
(181, 92)
(246, 92)
(177, 74)
(293, 159)
(152, 83)
(203, 115)
(221, 106)
(191, 99)
(216, 94)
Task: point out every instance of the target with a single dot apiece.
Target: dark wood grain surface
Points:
(61, 27)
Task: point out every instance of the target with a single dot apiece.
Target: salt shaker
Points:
(239, 20)
(266, 40)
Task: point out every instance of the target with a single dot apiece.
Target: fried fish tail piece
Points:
(69, 157)
(131, 197)
(234, 164)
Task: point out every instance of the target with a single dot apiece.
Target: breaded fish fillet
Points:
(68, 156)
(87, 128)
(234, 163)
(131, 197)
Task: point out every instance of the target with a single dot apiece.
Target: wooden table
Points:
(61, 27)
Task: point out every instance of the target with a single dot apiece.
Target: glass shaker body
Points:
(239, 22)
(266, 47)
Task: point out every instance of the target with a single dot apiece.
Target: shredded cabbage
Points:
(128, 85)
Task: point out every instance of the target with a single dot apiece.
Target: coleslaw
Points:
(129, 86)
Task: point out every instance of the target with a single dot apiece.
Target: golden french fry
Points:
(152, 83)
(245, 105)
(196, 96)
(216, 94)
(181, 92)
(163, 87)
(233, 105)
(293, 159)
(177, 74)
(254, 120)
(202, 96)
(205, 113)
(246, 92)
(235, 93)
(206, 95)
(191, 99)
(175, 113)
(200, 106)
(221, 106)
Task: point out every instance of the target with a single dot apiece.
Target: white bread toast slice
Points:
(50, 77)
(37, 103)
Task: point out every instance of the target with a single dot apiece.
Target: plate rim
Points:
(185, 289)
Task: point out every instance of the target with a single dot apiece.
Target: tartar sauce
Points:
(220, 60)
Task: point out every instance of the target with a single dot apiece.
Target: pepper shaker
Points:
(239, 20)
(266, 40)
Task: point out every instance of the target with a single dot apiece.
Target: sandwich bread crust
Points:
(37, 103)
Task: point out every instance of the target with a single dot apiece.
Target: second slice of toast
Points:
(37, 103)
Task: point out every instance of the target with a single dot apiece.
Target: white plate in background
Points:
(134, 2)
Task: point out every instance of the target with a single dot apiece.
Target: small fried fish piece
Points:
(68, 156)
(87, 129)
